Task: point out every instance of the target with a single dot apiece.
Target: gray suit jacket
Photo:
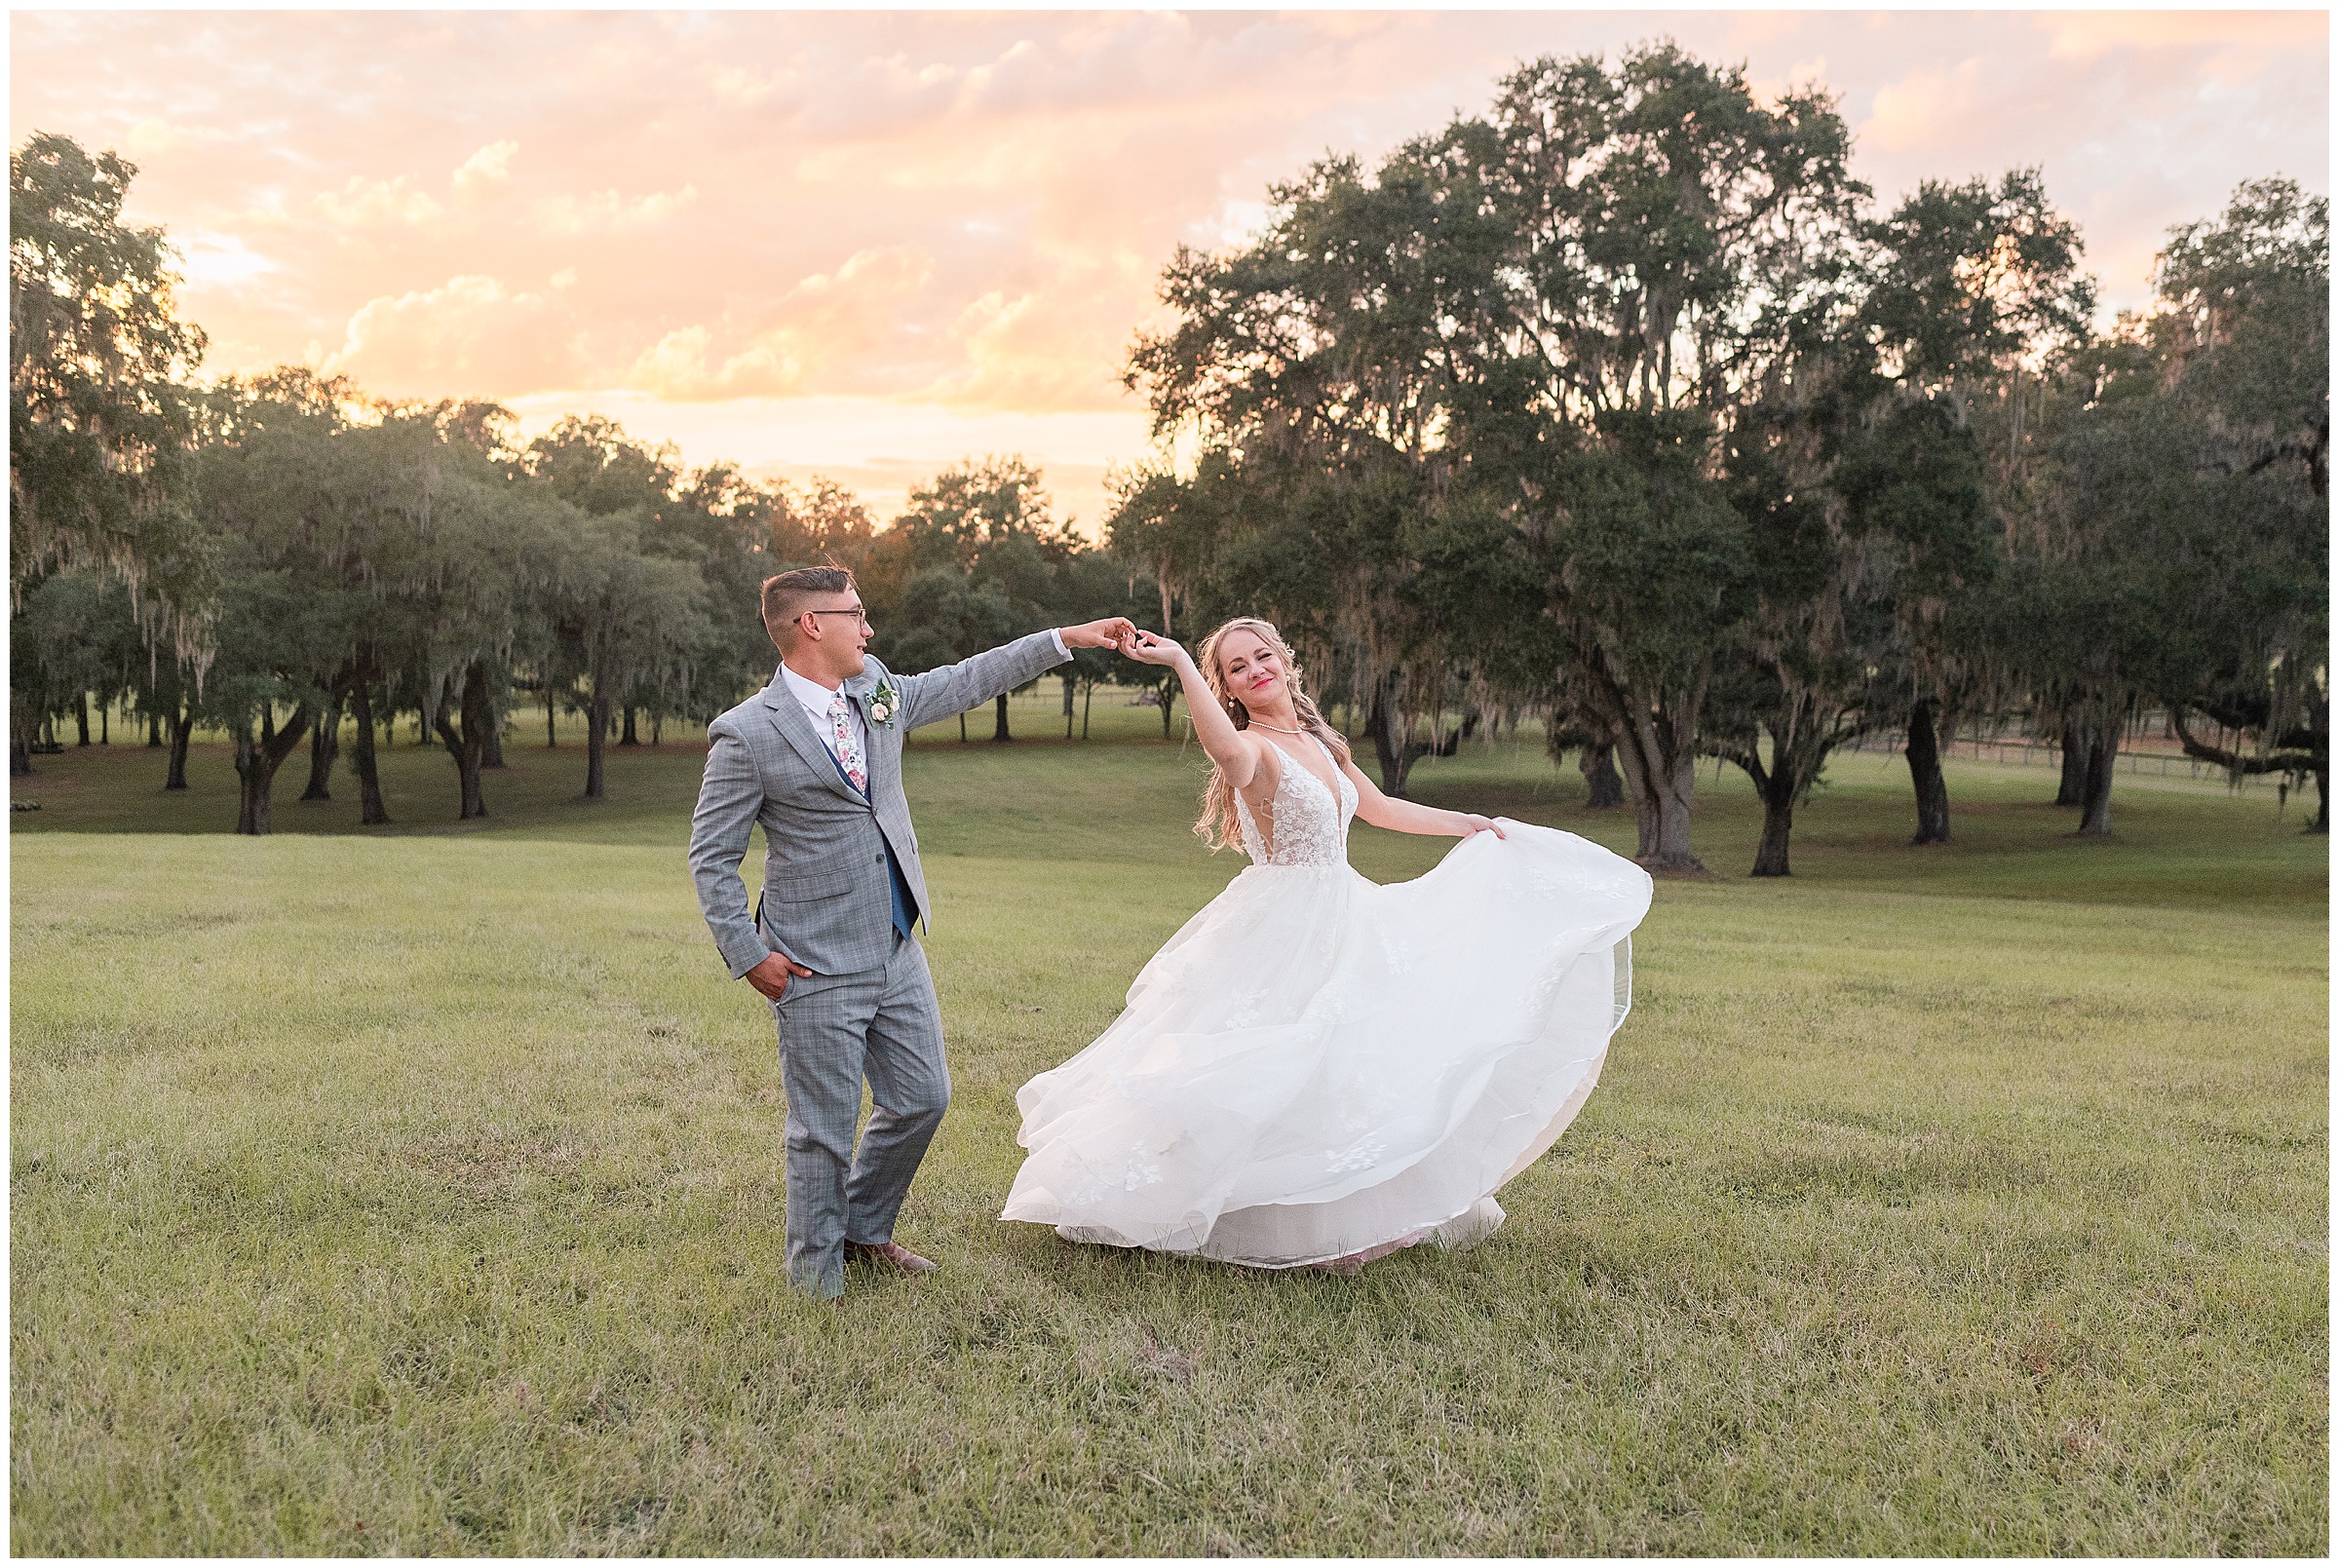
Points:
(828, 899)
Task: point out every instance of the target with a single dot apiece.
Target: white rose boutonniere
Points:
(884, 703)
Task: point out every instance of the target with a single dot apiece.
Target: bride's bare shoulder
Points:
(1266, 761)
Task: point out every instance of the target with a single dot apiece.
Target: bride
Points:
(1318, 1070)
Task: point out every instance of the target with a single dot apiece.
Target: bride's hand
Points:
(1147, 648)
(1473, 823)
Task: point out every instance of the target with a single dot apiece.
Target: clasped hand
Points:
(1121, 633)
(1150, 647)
(1113, 631)
(1118, 632)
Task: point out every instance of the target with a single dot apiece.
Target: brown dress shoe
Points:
(889, 1255)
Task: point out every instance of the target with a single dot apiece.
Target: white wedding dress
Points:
(1316, 1066)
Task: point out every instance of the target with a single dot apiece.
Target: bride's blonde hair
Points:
(1218, 827)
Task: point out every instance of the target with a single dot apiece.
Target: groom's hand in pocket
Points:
(770, 976)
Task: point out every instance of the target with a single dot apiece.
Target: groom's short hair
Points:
(786, 595)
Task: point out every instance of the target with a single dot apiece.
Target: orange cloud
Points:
(2086, 36)
(605, 211)
(469, 331)
(369, 202)
(828, 330)
(488, 169)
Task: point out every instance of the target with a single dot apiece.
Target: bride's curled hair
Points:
(1218, 827)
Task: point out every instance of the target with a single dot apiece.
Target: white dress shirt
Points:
(816, 699)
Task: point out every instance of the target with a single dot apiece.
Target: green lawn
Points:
(418, 1191)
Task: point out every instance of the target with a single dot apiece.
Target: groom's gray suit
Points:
(842, 886)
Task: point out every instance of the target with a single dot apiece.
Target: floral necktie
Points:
(848, 745)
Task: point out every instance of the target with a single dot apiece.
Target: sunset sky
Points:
(865, 244)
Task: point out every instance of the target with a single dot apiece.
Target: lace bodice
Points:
(1310, 824)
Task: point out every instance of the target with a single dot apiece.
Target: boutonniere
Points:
(883, 703)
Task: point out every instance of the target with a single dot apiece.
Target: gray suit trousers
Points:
(883, 1025)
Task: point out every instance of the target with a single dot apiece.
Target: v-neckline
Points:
(1332, 789)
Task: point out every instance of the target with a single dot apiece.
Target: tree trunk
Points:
(256, 764)
(1087, 695)
(1168, 704)
(2096, 804)
(19, 745)
(1068, 685)
(1603, 786)
(81, 717)
(491, 749)
(596, 741)
(999, 724)
(325, 744)
(105, 725)
(1799, 748)
(466, 740)
(1801, 733)
(1662, 786)
(1666, 808)
(962, 726)
(552, 731)
(183, 729)
(657, 728)
(628, 738)
(372, 812)
(2073, 790)
(2319, 737)
(154, 728)
(1393, 753)
(1777, 823)
(1925, 770)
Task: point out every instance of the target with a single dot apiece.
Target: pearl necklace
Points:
(1262, 724)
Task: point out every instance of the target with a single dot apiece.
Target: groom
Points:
(816, 757)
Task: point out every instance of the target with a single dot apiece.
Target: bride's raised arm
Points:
(1411, 817)
(1236, 753)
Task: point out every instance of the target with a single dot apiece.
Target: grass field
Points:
(418, 1191)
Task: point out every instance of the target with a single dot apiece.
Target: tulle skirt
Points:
(1315, 1066)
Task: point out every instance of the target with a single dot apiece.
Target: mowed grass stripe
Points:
(422, 1194)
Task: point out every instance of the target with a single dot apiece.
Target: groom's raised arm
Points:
(954, 688)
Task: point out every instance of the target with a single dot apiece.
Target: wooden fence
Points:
(2027, 753)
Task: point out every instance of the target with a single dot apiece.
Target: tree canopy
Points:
(1626, 400)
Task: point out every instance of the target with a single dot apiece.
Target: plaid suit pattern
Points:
(834, 1031)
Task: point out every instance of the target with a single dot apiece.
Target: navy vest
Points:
(904, 910)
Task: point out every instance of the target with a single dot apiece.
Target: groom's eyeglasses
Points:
(858, 613)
